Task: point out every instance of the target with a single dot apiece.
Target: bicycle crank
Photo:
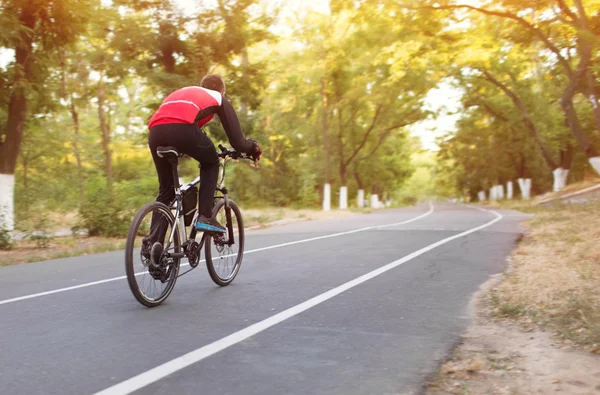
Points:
(193, 254)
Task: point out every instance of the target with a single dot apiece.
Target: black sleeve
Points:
(232, 127)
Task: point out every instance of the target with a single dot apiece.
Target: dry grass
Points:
(261, 217)
(463, 367)
(554, 276)
(59, 247)
(553, 282)
(47, 247)
(572, 188)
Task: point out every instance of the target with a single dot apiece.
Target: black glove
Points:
(256, 152)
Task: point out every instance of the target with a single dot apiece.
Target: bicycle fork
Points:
(229, 224)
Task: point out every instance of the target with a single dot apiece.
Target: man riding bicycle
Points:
(178, 122)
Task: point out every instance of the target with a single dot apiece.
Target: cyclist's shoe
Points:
(209, 225)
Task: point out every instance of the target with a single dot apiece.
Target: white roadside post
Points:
(500, 191)
(360, 198)
(563, 178)
(7, 191)
(481, 196)
(525, 186)
(343, 198)
(509, 190)
(595, 163)
(528, 188)
(521, 182)
(556, 176)
(374, 200)
(327, 197)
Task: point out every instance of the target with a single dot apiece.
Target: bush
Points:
(103, 214)
(5, 240)
(35, 226)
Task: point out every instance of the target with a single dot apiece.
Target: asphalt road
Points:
(370, 310)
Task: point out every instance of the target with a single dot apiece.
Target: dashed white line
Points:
(108, 280)
(153, 375)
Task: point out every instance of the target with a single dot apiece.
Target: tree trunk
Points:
(343, 175)
(582, 70)
(525, 117)
(10, 141)
(11, 137)
(7, 190)
(75, 118)
(525, 187)
(573, 121)
(327, 197)
(522, 166)
(26, 183)
(358, 179)
(343, 197)
(165, 44)
(104, 128)
(509, 190)
(343, 165)
(593, 98)
(245, 63)
(324, 124)
(25, 172)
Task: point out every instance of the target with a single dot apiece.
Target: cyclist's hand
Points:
(256, 152)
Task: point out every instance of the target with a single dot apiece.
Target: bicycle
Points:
(155, 220)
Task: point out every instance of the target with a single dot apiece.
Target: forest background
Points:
(337, 93)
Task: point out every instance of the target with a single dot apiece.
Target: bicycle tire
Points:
(129, 253)
(214, 275)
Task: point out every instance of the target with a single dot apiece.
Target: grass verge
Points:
(554, 276)
(46, 247)
(58, 247)
(532, 322)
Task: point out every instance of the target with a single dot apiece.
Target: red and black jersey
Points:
(194, 104)
(185, 105)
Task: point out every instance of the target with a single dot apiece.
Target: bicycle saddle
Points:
(164, 151)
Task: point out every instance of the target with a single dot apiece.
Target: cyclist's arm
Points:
(231, 124)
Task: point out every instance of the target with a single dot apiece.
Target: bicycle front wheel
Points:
(224, 252)
(152, 280)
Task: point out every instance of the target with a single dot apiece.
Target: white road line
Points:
(153, 375)
(90, 284)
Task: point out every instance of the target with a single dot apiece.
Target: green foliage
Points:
(41, 240)
(104, 215)
(329, 99)
(5, 239)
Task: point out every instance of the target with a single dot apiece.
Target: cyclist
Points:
(177, 123)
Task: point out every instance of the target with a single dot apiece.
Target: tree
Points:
(43, 26)
(575, 27)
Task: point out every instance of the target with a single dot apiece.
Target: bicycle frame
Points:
(177, 205)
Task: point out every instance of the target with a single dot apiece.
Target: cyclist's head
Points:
(213, 82)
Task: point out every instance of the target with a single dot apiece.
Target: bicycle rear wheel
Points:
(151, 284)
(223, 256)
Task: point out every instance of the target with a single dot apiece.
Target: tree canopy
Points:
(331, 96)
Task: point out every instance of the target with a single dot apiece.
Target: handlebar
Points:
(230, 153)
